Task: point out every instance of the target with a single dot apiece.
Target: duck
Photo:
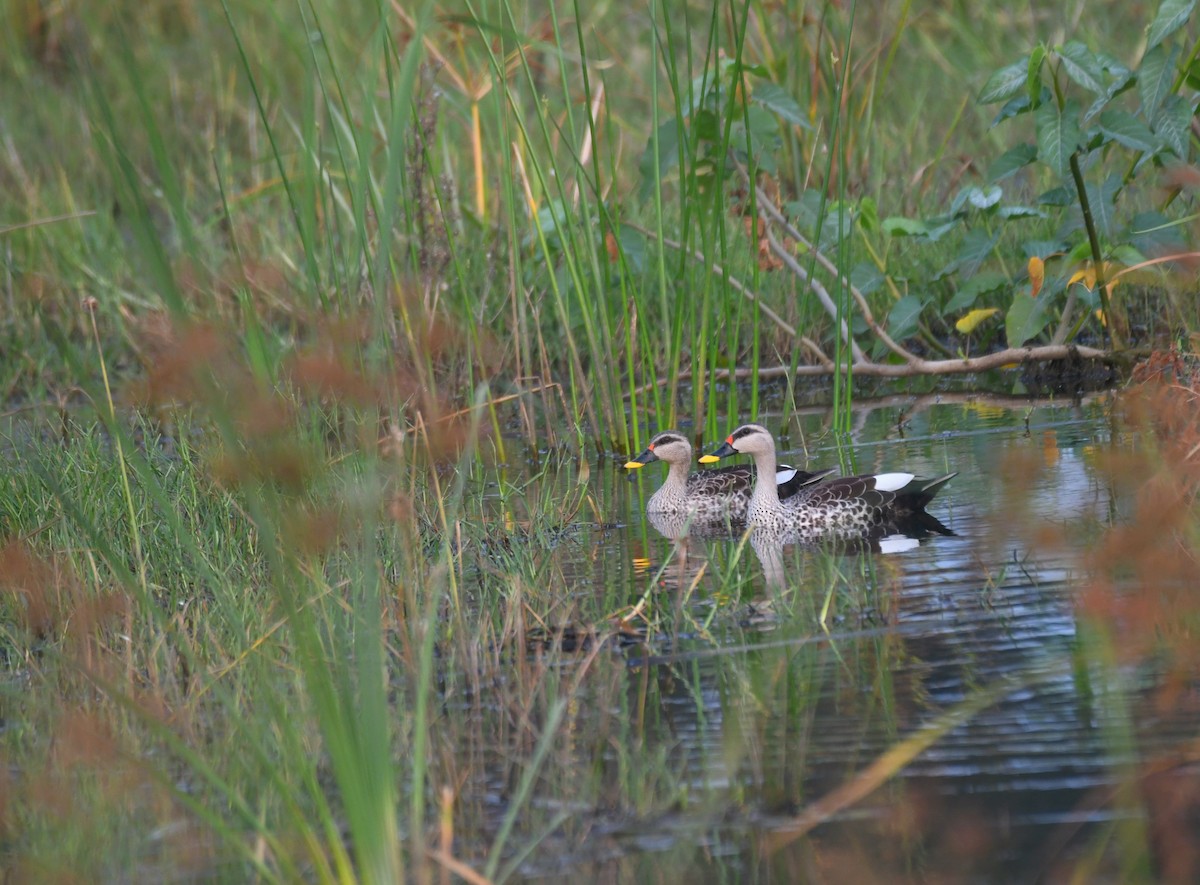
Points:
(723, 493)
(843, 504)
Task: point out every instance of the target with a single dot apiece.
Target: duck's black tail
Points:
(918, 493)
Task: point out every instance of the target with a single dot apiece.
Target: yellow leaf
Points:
(968, 323)
(1037, 275)
(1087, 275)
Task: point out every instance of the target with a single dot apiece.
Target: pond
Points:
(618, 704)
(748, 697)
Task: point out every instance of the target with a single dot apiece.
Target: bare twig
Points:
(999, 359)
(777, 217)
(819, 290)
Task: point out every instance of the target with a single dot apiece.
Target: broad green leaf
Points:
(1102, 200)
(939, 228)
(1012, 160)
(902, 320)
(1014, 107)
(1113, 66)
(1041, 248)
(1156, 77)
(775, 99)
(1153, 232)
(1124, 128)
(967, 324)
(980, 284)
(980, 198)
(1010, 212)
(1173, 123)
(706, 126)
(984, 198)
(1124, 80)
(633, 247)
(898, 226)
(668, 156)
(1025, 319)
(976, 246)
(1128, 255)
(1082, 66)
(1005, 83)
(1080, 253)
(1172, 15)
(1057, 135)
(1057, 196)
(866, 277)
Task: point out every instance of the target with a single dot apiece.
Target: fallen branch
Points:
(1012, 356)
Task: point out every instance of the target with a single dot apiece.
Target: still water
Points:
(749, 696)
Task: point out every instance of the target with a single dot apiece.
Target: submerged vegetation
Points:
(321, 323)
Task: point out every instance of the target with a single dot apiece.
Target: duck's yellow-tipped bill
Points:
(707, 459)
(633, 465)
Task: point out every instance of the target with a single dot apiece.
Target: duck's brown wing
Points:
(723, 482)
(844, 489)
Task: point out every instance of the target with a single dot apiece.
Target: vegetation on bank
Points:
(341, 257)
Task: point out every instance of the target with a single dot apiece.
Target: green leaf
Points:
(902, 320)
(633, 247)
(1010, 212)
(1156, 77)
(1033, 75)
(1057, 196)
(866, 277)
(980, 284)
(668, 156)
(868, 214)
(1124, 128)
(1082, 66)
(1173, 123)
(1005, 83)
(898, 226)
(939, 227)
(1172, 15)
(1041, 248)
(1014, 107)
(706, 126)
(1012, 160)
(980, 198)
(1025, 319)
(976, 246)
(775, 99)
(1102, 200)
(1057, 135)
(1124, 80)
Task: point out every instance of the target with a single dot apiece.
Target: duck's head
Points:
(670, 446)
(749, 439)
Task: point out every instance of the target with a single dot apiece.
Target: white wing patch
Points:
(892, 482)
(897, 544)
(785, 474)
